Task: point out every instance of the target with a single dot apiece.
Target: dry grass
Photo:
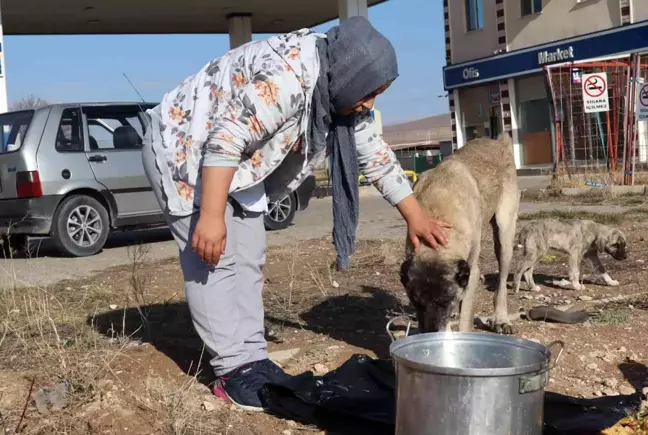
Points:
(58, 335)
(50, 335)
(606, 196)
(178, 407)
(603, 194)
(563, 180)
(45, 336)
(87, 335)
(637, 213)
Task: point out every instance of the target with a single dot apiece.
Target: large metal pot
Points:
(471, 384)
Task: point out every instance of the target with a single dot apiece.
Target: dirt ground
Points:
(121, 348)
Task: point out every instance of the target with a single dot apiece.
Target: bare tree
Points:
(29, 102)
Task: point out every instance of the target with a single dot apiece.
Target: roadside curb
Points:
(368, 191)
(532, 194)
(527, 194)
(365, 192)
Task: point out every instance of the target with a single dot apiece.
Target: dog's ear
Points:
(463, 273)
(620, 240)
(602, 239)
(404, 272)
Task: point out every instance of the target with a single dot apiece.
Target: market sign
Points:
(612, 42)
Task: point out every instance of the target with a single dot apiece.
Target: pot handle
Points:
(392, 337)
(549, 354)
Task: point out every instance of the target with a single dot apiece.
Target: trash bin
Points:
(423, 163)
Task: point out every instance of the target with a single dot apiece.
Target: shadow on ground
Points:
(540, 279)
(44, 247)
(167, 327)
(358, 320)
(635, 373)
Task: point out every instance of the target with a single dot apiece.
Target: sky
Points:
(91, 68)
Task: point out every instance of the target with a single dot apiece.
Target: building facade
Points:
(497, 52)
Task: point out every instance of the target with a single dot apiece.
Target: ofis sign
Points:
(470, 73)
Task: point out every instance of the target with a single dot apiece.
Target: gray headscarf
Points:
(355, 60)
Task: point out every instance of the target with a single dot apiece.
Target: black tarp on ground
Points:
(358, 398)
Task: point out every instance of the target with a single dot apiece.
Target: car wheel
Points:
(280, 213)
(12, 245)
(80, 226)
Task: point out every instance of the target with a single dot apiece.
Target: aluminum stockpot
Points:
(455, 383)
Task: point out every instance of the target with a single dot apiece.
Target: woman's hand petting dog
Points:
(430, 231)
(420, 226)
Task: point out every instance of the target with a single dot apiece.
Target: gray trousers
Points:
(225, 301)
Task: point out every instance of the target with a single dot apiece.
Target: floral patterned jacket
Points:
(250, 109)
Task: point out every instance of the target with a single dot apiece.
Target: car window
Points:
(114, 127)
(136, 123)
(100, 136)
(14, 127)
(70, 137)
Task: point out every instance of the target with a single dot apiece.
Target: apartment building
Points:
(497, 51)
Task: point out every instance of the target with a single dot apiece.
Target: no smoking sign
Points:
(642, 103)
(595, 93)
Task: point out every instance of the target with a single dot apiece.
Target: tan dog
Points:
(476, 185)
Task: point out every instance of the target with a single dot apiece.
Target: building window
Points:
(474, 15)
(530, 7)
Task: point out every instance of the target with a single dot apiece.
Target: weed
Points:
(285, 300)
(47, 332)
(140, 280)
(615, 314)
(604, 196)
(636, 213)
(178, 406)
(562, 180)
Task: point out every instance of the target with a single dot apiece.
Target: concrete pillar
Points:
(458, 119)
(515, 124)
(4, 105)
(377, 116)
(355, 8)
(240, 29)
(352, 8)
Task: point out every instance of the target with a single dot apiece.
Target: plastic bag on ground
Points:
(359, 398)
(356, 398)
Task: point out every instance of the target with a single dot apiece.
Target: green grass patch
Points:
(613, 315)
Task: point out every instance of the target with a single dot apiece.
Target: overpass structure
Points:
(238, 18)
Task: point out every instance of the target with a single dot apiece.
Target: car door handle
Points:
(97, 158)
